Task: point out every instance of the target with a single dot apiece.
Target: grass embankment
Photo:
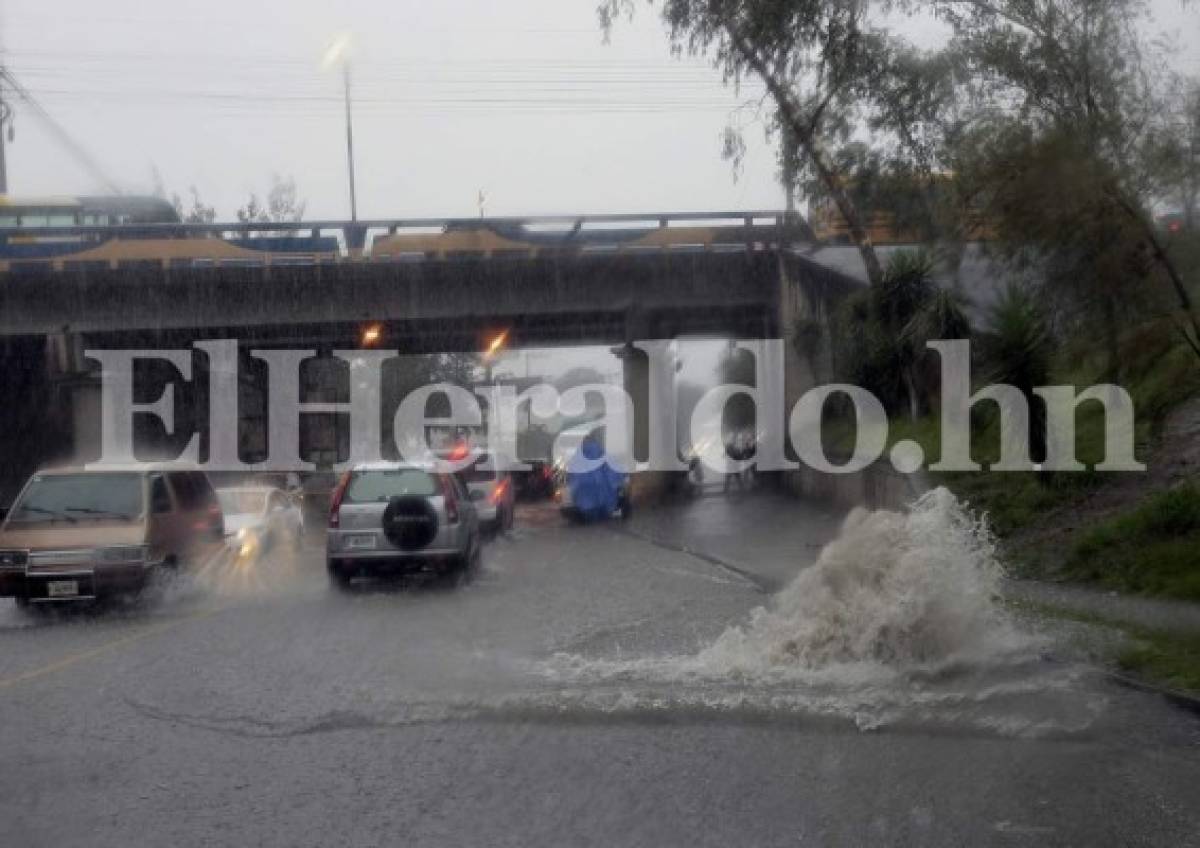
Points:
(1167, 658)
(1153, 549)
(1159, 373)
(1151, 546)
(1141, 550)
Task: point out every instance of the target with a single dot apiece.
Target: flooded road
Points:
(649, 683)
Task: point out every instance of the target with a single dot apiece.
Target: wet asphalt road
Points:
(537, 706)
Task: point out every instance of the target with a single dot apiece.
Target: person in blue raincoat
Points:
(598, 490)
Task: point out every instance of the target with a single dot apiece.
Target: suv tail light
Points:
(335, 500)
(214, 522)
(498, 491)
(450, 500)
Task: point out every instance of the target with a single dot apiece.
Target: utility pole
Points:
(5, 124)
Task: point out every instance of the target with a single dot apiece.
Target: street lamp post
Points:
(339, 51)
(350, 141)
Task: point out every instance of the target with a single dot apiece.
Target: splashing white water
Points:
(897, 621)
(893, 590)
(893, 594)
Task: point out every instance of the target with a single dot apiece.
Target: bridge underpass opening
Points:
(65, 396)
(323, 379)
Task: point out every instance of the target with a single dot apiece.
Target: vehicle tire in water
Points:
(161, 579)
(339, 580)
(410, 523)
(467, 569)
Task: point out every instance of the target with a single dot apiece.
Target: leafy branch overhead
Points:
(816, 60)
(1048, 128)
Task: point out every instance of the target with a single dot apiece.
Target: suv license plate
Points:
(62, 588)
(360, 543)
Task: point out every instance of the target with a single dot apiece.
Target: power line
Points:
(57, 130)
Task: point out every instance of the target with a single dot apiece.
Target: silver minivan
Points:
(392, 519)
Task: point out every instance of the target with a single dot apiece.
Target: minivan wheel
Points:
(339, 580)
(159, 579)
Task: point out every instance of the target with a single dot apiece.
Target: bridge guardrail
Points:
(305, 242)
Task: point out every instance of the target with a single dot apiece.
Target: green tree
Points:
(1072, 101)
(283, 203)
(198, 213)
(1175, 150)
(816, 58)
(914, 114)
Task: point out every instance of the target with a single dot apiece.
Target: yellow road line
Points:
(84, 656)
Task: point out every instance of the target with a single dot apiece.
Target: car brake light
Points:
(499, 490)
(450, 501)
(213, 519)
(335, 500)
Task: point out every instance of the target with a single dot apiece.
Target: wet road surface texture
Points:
(563, 697)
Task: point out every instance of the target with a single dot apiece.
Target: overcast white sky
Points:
(520, 98)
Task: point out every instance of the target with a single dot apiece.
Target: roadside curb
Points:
(1181, 699)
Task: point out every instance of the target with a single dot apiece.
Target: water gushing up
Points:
(892, 591)
(898, 620)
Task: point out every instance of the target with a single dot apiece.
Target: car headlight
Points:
(246, 541)
(14, 559)
(124, 553)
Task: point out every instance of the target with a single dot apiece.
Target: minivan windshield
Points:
(374, 486)
(74, 497)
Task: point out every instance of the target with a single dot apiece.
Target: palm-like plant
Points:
(1017, 348)
(916, 310)
(885, 330)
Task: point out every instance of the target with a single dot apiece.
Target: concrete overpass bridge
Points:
(427, 285)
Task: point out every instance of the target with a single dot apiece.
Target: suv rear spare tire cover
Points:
(410, 523)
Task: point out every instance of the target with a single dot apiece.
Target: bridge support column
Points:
(806, 329)
(74, 398)
(84, 405)
(646, 377)
(34, 422)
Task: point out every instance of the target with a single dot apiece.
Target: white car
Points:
(493, 492)
(259, 517)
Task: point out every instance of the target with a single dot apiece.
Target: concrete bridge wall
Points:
(442, 306)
